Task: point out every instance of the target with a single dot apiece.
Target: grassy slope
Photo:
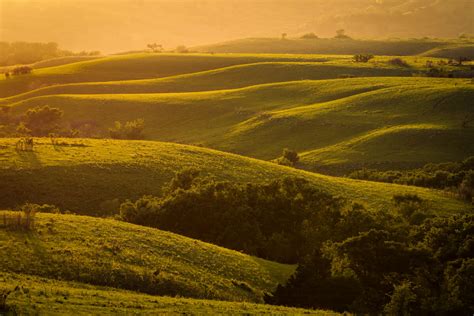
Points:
(133, 69)
(44, 296)
(122, 255)
(338, 125)
(452, 51)
(88, 178)
(134, 66)
(231, 77)
(332, 46)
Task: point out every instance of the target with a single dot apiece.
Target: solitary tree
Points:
(155, 48)
(283, 36)
(341, 34)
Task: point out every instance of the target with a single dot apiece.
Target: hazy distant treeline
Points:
(26, 53)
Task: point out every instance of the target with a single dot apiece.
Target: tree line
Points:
(457, 177)
(14, 53)
(44, 121)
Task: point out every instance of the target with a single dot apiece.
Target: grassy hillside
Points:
(121, 255)
(452, 51)
(94, 176)
(337, 125)
(127, 73)
(334, 46)
(231, 77)
(134, 66)
(37, 295)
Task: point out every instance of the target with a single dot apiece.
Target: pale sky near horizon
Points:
(119, 25)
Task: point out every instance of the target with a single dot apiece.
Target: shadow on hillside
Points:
(30, 157)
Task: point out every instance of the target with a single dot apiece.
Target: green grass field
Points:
(37, 295)
(93, 176)
(229, 116)
(112, 253)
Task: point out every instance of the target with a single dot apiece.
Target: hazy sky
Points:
(118, 25)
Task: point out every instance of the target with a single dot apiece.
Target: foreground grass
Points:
(122, 255)
(94, 176)
(45, 296)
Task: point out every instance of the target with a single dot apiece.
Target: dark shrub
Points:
(362, 58)
(398, 62)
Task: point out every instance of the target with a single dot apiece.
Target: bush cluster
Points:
(289, 158)
(129, 130)
(398, 62)
(362, 58)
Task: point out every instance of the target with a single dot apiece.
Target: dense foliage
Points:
(404, 261)
(401, 269)
(276, 220)
(457, 176)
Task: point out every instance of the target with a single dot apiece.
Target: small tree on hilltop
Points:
(341, 34)
(155, 48)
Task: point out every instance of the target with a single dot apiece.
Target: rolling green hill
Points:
(395, 47)
(231, 77)
(337, 125)
(201, 72)
(37, 295)
(134, 66)
(452, 51)
(112, 253)
(94, 176)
